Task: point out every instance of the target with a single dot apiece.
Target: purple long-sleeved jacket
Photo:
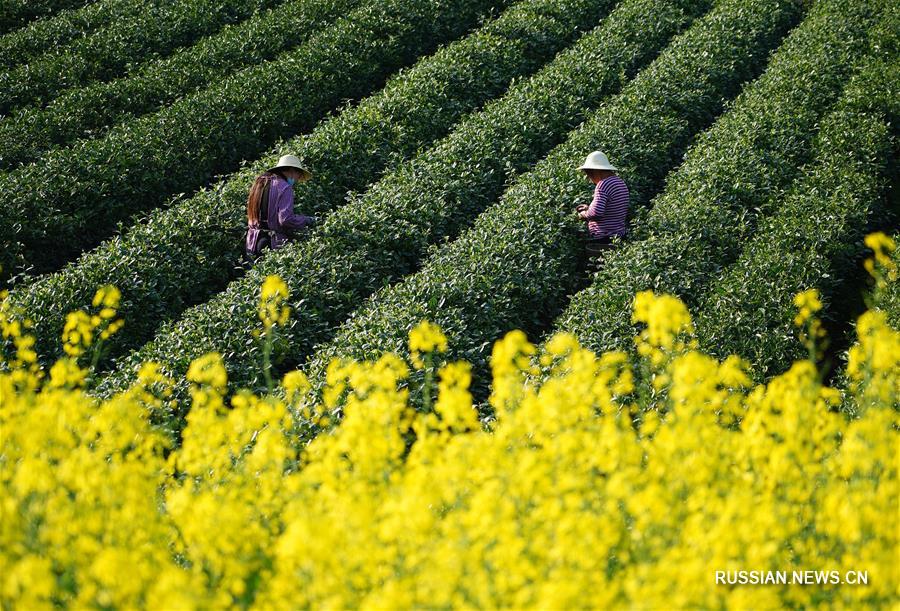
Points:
(282, 219)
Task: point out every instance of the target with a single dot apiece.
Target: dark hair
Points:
(257, 190)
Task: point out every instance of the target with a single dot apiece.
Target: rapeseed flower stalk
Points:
(873, 362)
(510, 364)
(812, 333)
(78, 334)
(881, 266)
(273, 312)
(425, 340)
(17, 353)
(86, 333)
(668, 332)
(272, 308)
(567, 500)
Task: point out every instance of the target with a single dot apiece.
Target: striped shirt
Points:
(606, 214)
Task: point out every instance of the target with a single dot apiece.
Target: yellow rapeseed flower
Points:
(78, 333)
(425, 338)
(808, 304)
(209, 370)
(272, 308)
(581, 493)
(108, 297)
(65, 373)
(882, 245)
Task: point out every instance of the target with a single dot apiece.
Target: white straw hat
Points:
(597, 161)
(290, 161)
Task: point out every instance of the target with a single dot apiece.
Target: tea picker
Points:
(606, 214)
(271, 220)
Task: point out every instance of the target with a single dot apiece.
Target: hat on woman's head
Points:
(290, 161)
(597, 161)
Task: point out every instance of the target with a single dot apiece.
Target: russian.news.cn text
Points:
(800, 578)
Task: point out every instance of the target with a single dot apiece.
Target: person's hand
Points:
(580, 208)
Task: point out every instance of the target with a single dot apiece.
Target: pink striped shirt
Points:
(607, 212)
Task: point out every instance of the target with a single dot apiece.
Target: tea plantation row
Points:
(17, 13)
(379, 237)
(54, 32)
(187, 253)
(93, 109)
(159, 29)
(86, 190)
(815, 237)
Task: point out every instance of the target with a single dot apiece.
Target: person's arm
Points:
(598, 205)
(288, 220)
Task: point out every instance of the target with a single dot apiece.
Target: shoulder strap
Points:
(264, 203)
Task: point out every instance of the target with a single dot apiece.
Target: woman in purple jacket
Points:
(271, 218)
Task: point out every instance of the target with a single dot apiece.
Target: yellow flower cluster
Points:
(425, 338)
(808, 304)
(272, 308)
(81, 328)
(578, 495)
(881, 265)
(18, 354)
(78, 333)
(510, 363)
(667, 321)
(812, 333)
(874, 360)
(668, 332)
(107, 300)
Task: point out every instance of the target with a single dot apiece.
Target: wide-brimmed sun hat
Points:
(597, 161)
(290, 161)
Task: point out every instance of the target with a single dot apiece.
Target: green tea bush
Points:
(17, 13)
(751, 155)
(154, 32)
(86, 189)
(185, 254)
(380, 236)
(814, 239)
(515, 266)
(55, 31)
(91, 110)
